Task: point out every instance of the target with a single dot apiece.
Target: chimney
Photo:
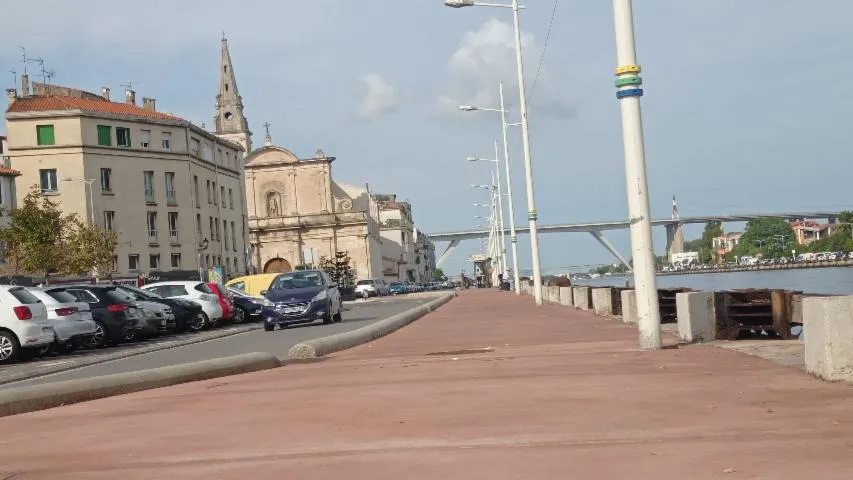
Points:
(149, 104)
(130, 96)
(11, 96)
(105, 92)
(25, 85)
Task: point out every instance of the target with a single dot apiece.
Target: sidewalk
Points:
(563, 395)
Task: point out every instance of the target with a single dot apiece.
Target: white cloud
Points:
(380, 97)
(486, 56)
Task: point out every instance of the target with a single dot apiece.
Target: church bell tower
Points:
(230, 122)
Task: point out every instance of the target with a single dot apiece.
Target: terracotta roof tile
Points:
(45, 103)
(8, 172)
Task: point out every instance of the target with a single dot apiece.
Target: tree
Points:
(771, 237)
(339, 268)
(439, 274)
(38, 235)
(91, 249)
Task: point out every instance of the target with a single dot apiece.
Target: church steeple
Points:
(230, 122)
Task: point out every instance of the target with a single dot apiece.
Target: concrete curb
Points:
(126, 351)
(320, 347)
(39, 397)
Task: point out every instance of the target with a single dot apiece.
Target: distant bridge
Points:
(595, 228)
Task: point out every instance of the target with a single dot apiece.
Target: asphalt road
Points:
(277, 342)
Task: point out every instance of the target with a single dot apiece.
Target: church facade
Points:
(293, 204)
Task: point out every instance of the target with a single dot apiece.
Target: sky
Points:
(744, 109)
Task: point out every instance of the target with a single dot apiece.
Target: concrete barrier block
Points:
(629, 306)
(544, 291)
(828, 322)
(554, 295)
(581, 297)
(566, 296)
(602, 301)
(697, 321)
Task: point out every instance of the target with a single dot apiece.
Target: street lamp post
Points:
(525, 135)
(88, 182)
(202, 246)
(629, 91)
(497, 216)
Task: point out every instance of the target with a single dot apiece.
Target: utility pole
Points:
(629, 91)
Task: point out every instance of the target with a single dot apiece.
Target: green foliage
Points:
(771, 237)
(611, 269)
(339, 268)
(91, 249)
(705, 244)
(439, 274)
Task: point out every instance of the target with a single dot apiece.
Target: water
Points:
(809, 280)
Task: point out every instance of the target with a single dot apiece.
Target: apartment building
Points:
(397, 231)
(171, 190)
(8, 200)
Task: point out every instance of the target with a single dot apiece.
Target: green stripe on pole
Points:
(628, 80)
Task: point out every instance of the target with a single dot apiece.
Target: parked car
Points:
(70, 318)
(398, 288)
(155, 318)
(252, 284)
(188, 314)
(303, 296)
(225, 301)
(371, 287)
(24, 326)
(116, 316)
(247, 307)
(198, 292)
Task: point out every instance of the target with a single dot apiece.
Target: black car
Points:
(115, 315)
(188, 314)
(303, 296)
(246, 307)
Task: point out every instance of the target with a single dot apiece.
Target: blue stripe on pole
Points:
(630, 92)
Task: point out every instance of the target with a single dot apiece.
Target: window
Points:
(167, 141)
(171, 195)
(235, 264)
(215, 196)
(227, 158)
(212, 231)
(222, 191)
(151, 221)
(106, 179)
(216, 223)
(122, 137)
(44, 135)
(154, 261)
(105, 135)
(176, 260)
(233, 237)
(133, 261)
(208, 152)
(195, 147)
(225, 232)
(207, 260)
(115, 263)
(198, 225)
(231, 198)
(48, 180)
(195, 191)
(219, 156)
(145, 138)
(173, 227)
(148, 180)
(109, 220)
(208, 192)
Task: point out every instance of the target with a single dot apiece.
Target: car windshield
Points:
(290, 281)
(365, 282)
(397, 284)
(62, 296)
(138, 293)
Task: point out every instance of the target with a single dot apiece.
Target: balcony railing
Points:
(149, 195)
(152, 236)
(171, 197)
(173, 236)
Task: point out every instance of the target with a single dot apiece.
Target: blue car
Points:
(398, 288)
(303, 296)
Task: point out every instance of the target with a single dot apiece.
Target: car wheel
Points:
(198, 323)
(68, 347)
(9, 347)
(269, 327)
(337, 318)
(132, 336)
(99, 338)
(240, 315)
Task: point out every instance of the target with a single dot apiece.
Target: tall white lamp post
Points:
(629, 91)
(525, 136)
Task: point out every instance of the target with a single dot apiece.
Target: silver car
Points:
(71, 319)
(371, 287)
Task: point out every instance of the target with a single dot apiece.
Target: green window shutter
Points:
(44, 135)
(105, 135)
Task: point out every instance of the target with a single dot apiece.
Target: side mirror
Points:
(264, 292)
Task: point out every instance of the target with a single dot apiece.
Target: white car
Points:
(71, 319)
(24, 328)
(198, 292)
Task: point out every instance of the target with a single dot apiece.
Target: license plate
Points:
(47, 329)
(292, 310)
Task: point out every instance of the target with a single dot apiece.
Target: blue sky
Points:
(745, 107)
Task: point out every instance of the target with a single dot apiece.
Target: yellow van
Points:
(252, 284)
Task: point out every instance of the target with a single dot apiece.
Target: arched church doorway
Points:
(277, 265)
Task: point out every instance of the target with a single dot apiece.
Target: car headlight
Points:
(322, 295)
(148, 313)
(265, 302)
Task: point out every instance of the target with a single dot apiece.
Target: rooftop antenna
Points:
(46, 75)
(224, 38)
(128, 85)
(15, 77)
(23, 60)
